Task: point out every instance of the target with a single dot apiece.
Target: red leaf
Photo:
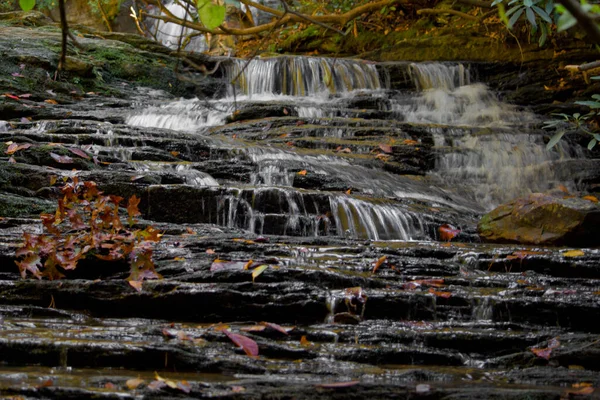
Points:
(79, 152)
(61, 159)
(248, 345)
(448, 232)
(542, 353)
(11, 96)
(275, 327)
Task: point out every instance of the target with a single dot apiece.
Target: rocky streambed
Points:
(338, 203)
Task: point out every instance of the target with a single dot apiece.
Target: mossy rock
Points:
(15, 206)
(543, 219)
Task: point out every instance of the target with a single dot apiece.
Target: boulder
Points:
(543, 219)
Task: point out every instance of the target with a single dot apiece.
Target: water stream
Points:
(484, 151)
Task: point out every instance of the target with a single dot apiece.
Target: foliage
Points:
(539, 14)
(577, 122)
(567, 20)
(87, 223)
(211, 15)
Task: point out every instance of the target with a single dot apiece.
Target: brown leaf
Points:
(14, 147)
(61, 159)
(378, 263)
(303, 172)
(276, 327)
(51, 101)
(386, 148)
(174, 153)
(79, 152)
(304, 342)
(248, 345)
(156, 385)
(210, 251)
(110, 385)
(132, 384)
(349, 191)
(12, 160)
(593, 199)
(46, 383)
(137, 285)
(248, 264)
(448, 232)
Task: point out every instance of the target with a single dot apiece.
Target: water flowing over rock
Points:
(309, 224)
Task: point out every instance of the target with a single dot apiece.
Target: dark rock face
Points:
(543, 219)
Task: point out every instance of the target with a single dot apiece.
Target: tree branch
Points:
(585, 20)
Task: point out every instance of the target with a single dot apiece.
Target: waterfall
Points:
(173, 35)
(302, 76)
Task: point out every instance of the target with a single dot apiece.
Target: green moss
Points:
(14, 206)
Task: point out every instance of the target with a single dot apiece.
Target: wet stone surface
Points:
(338, 199)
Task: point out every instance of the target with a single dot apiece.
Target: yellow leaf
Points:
(179, 259)
(593, 199)
(133, 383)
(573, 253)
(248, 264)
(303, 172)
(51, 101)
(258, 270)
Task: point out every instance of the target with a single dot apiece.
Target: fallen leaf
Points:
(210, 251)
(110, 385)
(132, 384)
(276, 327)
(378, 263)
(448, 232)
(334, 385)
(222, 265)
(156, 385)
(422, 388)
(51, 101)
(386, 148)
(137, 285)
(61, 159)
(11, 96)
(258, 270)
(383, 157)
(345, 150)
(303, 172)
(179, 259)
(46, 383)
(563, 189)
(304, 342)
(573, 253)
(12, 160)
(238, 389)
(14, 147)
(349, 191)
(79, 152)
(593, 199)
(248, 345)
(174, 153)
(248, 264)
(284, 135)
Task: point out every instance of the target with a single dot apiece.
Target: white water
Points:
(173, 35)
(486, 150)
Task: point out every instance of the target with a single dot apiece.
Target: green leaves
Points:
(26, 5)
(211, 15)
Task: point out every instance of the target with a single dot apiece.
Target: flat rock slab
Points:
(543, 219)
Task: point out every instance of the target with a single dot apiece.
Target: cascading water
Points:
(485, 151)
(174, 36)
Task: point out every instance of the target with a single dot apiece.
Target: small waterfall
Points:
(182, 115)
(302, 76)
(186, 172)
(446, 96)
(483, 308)
(174, 36)
(360, 219)
(500, 166)
(439, 76)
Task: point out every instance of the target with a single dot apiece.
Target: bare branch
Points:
(585, 20)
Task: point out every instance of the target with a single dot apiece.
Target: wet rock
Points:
(544, 219)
